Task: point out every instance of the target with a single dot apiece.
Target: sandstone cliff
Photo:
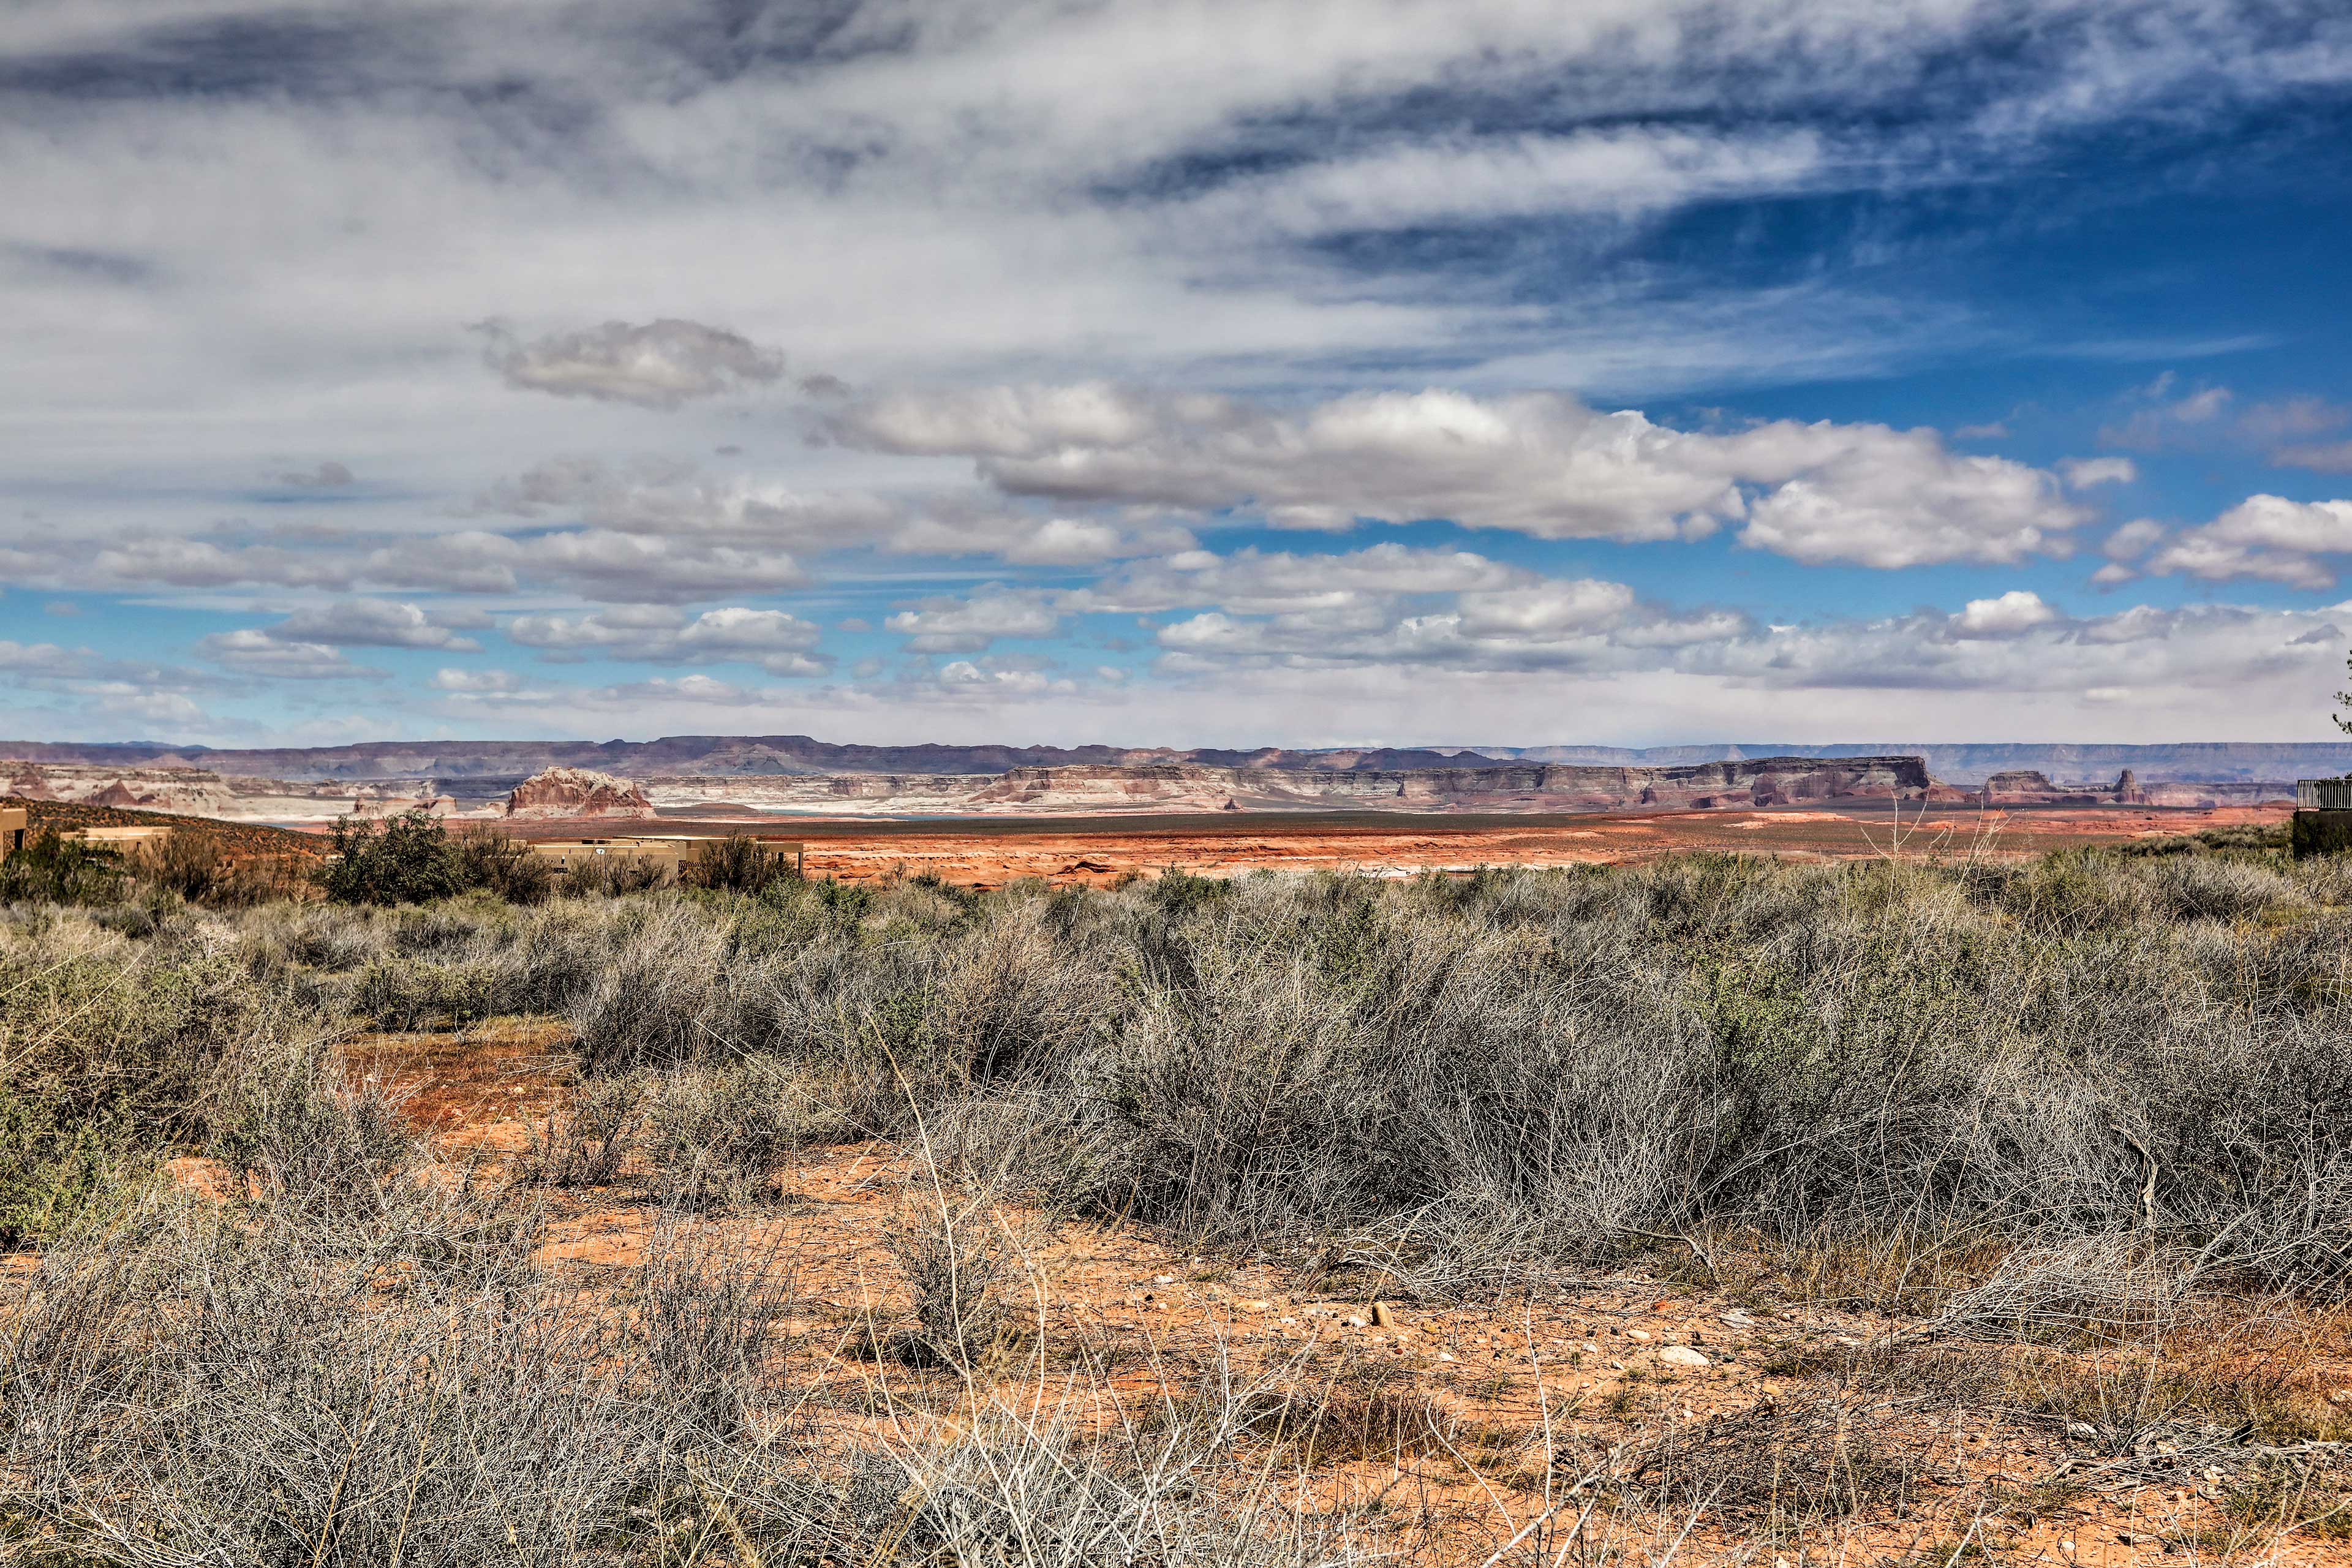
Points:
(2025, 787)
(1185, 786)
(577, 792)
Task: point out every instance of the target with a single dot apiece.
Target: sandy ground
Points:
(988, 852)
(1582, 1375)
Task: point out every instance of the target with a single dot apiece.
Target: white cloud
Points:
(256, 652)
(1620, 172)
(2081, 473)
(780, 642)
(653, 695)
(1890, 499)
(2014, 611)
(972, 624)
(2133, 540)
(661, 364)
(372, 623)
(966, 194)
(477, 682)
(1271, 582)
(41, 659)
(1534, 463)
(2264, 536)
(686, 509)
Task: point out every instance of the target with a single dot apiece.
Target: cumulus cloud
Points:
(375, 622)
(2081, 473)
(2011, 614)
(477, 682)
(1531, 623)
(679, 503)
(2127, 545)
(660, 364)
(1889, 499)
(1538, 464)
(252, 651)
(86, 684)
(201, 564)
(972, 624)
(2264, 536)
(2012, 643)
(1258, 582)
(41, 659)
(781, 643)
(596, 562)
(1226, 195)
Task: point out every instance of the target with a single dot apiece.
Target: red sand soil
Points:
(1117, 1322)
(987, 852)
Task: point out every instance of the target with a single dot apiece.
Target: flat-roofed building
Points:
(15, 822)
(101, 836)
(665, 852)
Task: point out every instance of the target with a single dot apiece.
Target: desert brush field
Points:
(1713, 1208)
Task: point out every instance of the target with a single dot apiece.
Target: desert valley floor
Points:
(989, 851)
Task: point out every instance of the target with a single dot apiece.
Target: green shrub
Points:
(738, 863)
(504, 866)
(403, 860)
(53, 870)
(53, 1165)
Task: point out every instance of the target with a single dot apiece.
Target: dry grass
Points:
(2077, 1123)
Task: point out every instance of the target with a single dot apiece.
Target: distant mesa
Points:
(577, 792)
(731, 777)
(2024, 786)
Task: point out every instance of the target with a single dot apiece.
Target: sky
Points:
(1175, 372)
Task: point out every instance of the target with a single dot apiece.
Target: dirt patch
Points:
(1101, 850)
(1828, 1432)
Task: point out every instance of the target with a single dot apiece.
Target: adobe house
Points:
(2323, 818)
(15, 824)
(103, 837)
(665, 853)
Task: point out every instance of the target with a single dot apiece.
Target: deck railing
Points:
(2323, 795)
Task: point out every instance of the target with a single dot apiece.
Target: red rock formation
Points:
(577, 792)
(2024, 786)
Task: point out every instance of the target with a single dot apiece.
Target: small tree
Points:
(2343, 701)
(738, 862)
(405, 860)
(504, 865)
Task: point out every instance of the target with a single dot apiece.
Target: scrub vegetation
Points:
(2097, 1094)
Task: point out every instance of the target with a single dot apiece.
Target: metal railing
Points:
(2323, 795)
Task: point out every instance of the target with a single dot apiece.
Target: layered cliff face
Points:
(577, 792)
(1174, 787)
(201, 792)
(2024, 786)
(1180, 786)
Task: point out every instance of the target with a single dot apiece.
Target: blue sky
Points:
(1203, 373)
